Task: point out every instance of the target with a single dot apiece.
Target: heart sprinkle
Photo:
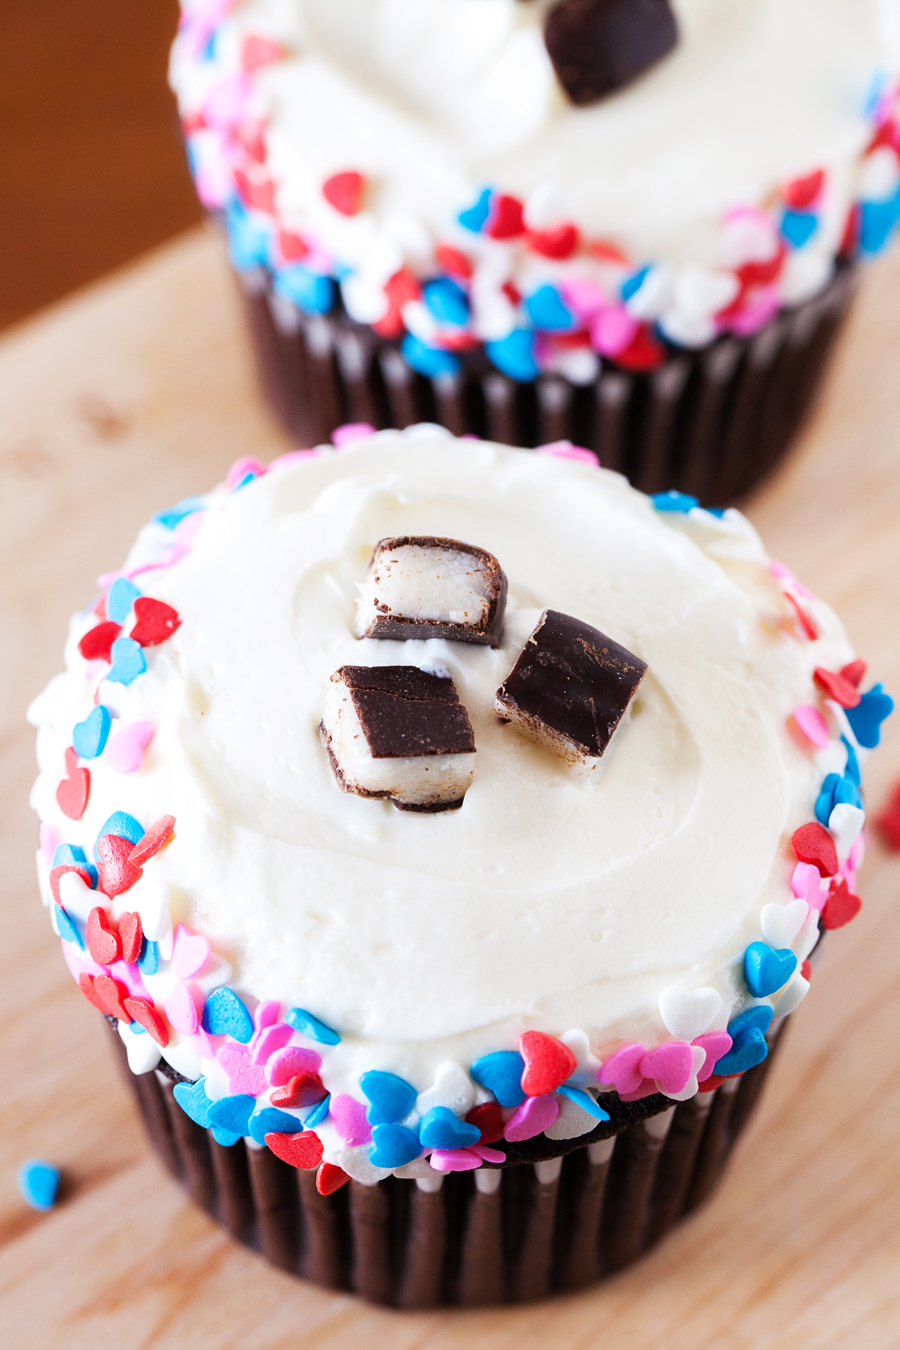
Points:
(547, 1063)
(156, 622)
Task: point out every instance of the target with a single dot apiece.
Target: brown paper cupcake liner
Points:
(557, 1216)
(711, 423)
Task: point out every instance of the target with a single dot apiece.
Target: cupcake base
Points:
(711, 423)
(536, 1226)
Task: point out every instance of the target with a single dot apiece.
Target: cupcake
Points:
(446, 832)
(630, 224)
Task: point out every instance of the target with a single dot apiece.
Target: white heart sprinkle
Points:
(782, 923)
(452, 1087)
(688, 1013)
(588, 1064)
(795, 993)
(845, 823)
(807, 937)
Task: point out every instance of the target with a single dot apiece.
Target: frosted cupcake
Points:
(446, 832)
(624, 223)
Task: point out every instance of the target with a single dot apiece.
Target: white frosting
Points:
(548, 901)
(432, 98)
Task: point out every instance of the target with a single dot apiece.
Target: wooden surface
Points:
(92, 167)
(139, 393)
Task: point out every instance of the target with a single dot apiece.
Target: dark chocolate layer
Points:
(599, 46)
(405, 711)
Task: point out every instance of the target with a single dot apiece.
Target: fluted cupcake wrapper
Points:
(711, 423)
(498, 1235)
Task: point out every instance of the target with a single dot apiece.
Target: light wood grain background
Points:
(139, 393)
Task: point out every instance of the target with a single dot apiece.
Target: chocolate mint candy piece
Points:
(398, 732)
(421, 587)
(599, 46)
(570, 688)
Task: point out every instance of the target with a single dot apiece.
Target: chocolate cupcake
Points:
(446, 874)
(628, 224)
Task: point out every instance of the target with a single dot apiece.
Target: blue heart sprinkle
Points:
(272, 1121)
(825, 799)
(866, 718)
(310, 1026)
(123, 826)
(120, 598)
(224, 1014)
(717, 511)
(394, 1145)
(851, 768)
(127, 661)
(475, 217)
(429, 361)
(148, 961)
(71, 855)
(192, 1099)
(759, 1016)
(877, 222)
(546, 309)
(584, 1100)
(749, 1049)
(798, 227)
(232, 1113)
(309, 291)
(137, 1028)
(631, 285)
(39, 1183)
(169, 519)
(226, 1138)
(766, 970)
(90, 736)
(440, 1128)
(447, 301)
(248, 237)
(515, 355)
(501, 1073)
(674, 501)
(391, 1097)
(67, 927)
(317, 1114)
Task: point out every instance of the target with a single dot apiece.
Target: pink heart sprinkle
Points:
(266, 1013)
(531, 1118)
(190, 952)
(243, 1077)
(454, 1160)
(241, 467)
(716, 1044)
(207, 1045)
(612, 330)
(646, 1089)
(350, 432)
(181, 1010)
(488, 1154)
(806, 883)
(286, 1064)
(348, 1116)
(812, 724)
(566, 450)
(269, 1040)
(125, 750)
(622, 1068)
(671, 1065)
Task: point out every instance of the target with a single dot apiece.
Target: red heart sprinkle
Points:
(547, 1063)
(259, 51)
(837, 687)
(489, 1119)
(304, 1089)
(117, 872)
(454, 261)
(57, 872)
(146, 1015)
(257, 193)
(103, 944)
(560, 242)
(345, 192)
(802, 192)
(813, 844)
(853, 672)
(131, 935)
(106, 994)
(806, 970)
(841, 906)
(300, 1150)
(809, 628)
(156, 621)
(642, 353)
(402, 287)
(156, 838)
(712, 1082)
(330, 1179)
(291, 247)
(888, 822)
(73, 792)
(507, 218)
(97, 642)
